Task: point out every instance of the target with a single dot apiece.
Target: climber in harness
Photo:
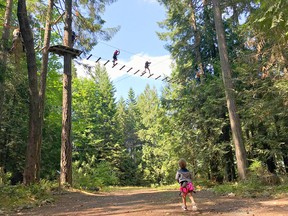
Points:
(146, 66)
(184, 178)
(17, 39)
(74, 37)
(115, 54)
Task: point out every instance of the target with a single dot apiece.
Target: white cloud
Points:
(160, 65)
(151, 1)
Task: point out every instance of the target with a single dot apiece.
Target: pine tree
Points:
(230, 96)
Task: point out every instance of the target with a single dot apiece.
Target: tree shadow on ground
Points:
(151, 202)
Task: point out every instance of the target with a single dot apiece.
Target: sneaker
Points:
(184, 208)
(194, 207)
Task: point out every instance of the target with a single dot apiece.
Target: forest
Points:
(225, 110)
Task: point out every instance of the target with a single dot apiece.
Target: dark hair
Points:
(182, 163)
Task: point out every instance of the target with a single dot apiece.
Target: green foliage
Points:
(95, 136)
(129, 172)
(94, 118)
(4, 178)
(198, 127)
(251, 188)
(256, 168)
(93, 176)
(267, 36)
(142, 137)
(52, 125)
(260, 183)
(89, 25)
(20, 196)
(13, 124)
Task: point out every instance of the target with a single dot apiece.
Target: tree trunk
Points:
(6, 29)
(271, 165)
(284, 150)
(3, 66)
(44, 71)
(6, 32)
(285, 161)
(197, 40)
(3, 51)
(229, 91)
(34, 120)
(66, 145)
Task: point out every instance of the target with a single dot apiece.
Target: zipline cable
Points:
(132, 53)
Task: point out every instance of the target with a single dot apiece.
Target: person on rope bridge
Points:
(74, 37)
(115, 54)
(147, 64)
(184, 178)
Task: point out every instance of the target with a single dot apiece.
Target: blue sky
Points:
(138, 42)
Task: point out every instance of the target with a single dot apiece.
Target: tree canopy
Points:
(138, 140)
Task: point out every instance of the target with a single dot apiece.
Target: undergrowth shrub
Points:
(13, 197)
(92, 177)
(259, 174)
(4, 177)
(259, 183)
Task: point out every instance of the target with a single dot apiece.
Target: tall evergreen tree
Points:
(94, 113)
(187, 65)
(34, 121)
(229, 91)
(3, 61)
(132, 142)
(148, 105)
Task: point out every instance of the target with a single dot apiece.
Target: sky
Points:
(138, 42)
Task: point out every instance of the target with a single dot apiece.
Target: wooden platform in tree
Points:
(62, 50)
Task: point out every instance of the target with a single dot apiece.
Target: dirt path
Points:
(157, 203)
